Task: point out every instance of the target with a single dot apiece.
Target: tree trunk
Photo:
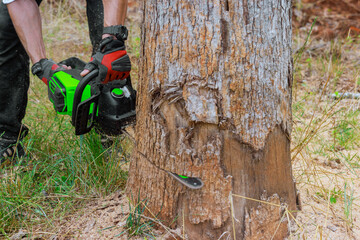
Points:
(214, 102)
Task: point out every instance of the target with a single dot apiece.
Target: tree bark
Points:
(214, 101)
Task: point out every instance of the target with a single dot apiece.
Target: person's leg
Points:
(95, 15)
(14, 79)
(14, 85)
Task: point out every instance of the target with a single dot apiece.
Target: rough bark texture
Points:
(214, 101)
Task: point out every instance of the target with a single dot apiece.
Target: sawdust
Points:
(99, 220)
(102, 219)
(105, 219)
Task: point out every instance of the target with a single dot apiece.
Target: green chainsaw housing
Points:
(108, 107)
(61, 90)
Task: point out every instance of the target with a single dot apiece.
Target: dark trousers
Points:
(14, 69)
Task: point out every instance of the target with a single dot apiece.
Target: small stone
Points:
(54, 237)
(332, 164)
(332, 228)
(327, 163)
(120, 224)
(20, 235)
(90, 226)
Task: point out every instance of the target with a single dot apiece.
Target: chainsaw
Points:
(109, 107)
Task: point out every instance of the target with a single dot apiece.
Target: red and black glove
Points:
(111, 59)
(45, 69)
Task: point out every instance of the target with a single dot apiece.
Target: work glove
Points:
(45, 69)
(111, 59)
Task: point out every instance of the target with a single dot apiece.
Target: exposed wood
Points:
(215, 102)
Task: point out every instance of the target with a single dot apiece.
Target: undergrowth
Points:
(137, 223)
(326, 137)
(61, 171)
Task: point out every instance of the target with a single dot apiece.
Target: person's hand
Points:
(45, 69)
(111, 59)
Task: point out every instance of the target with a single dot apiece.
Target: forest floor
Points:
(325, 137)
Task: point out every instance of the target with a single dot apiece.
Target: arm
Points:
(114, 12)
(25, 16)
(26, 19)
(113, 48)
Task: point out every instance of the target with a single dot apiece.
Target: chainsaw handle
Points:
(80, 89)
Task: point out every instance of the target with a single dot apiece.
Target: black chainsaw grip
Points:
(79, 92)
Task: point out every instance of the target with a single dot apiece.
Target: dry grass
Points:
(326, 140)
(61, 172)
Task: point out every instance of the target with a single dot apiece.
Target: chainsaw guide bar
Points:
(190, 182)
